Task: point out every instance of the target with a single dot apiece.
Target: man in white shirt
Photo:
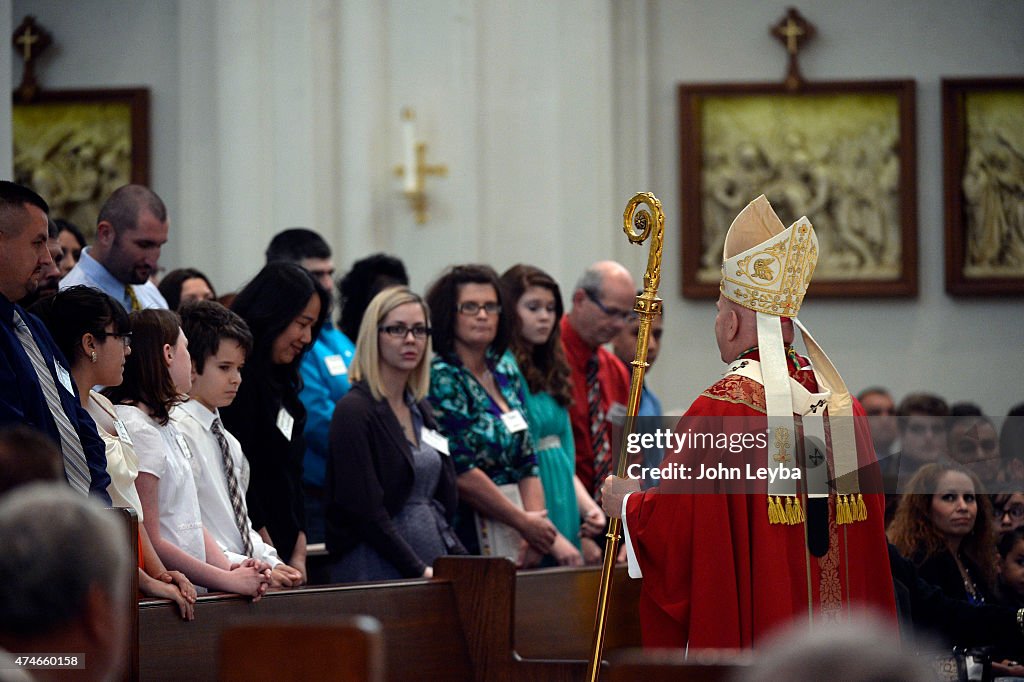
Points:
(130, 230)
(219, 342)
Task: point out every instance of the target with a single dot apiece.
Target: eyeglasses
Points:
(624, 315)
(1015, 511)
(126, 337)
(473, 308)
(400, 331)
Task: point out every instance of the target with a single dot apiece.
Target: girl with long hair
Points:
(157, 375)
(536, 303)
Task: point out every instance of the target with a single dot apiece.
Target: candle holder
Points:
(415, 169)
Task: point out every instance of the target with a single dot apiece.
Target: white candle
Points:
(409, 135)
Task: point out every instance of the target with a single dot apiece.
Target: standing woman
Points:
(391, 491)
(157, 375)
(284, 308)
(478, 398)
(93, 332)
(944, 525)
(535, 341)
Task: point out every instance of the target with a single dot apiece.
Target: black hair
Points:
(76, 311)
(268, 304)
(296, 244)
(206, 324)
(443, 297)
(367, 278)
(13, 198)
(71, 228)
(170, 285)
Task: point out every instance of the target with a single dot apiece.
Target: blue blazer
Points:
(22, 400)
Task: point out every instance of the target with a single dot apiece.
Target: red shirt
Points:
(614, 382)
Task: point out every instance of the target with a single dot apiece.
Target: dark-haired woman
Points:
(536, 303)
(284, 308)
(477, 395)
(944, 525)
(93, 332)
(184, 285)
(157, 374)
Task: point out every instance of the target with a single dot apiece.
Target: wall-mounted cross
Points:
(30, 40)
(793, 31)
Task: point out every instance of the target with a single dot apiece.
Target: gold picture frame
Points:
(75, 147)
(841, 153)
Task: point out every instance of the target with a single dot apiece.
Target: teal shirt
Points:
(556, 458)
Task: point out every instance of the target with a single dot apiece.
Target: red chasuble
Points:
(717, 574)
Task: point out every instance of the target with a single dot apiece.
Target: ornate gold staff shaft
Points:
(637, 224)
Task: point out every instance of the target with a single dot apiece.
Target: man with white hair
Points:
(63, 572)
(777, 517)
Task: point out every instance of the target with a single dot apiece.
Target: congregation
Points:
(250, 429)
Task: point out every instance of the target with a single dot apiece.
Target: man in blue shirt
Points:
(35, 385)
(624, 346)
(130, 230)
(324, 368)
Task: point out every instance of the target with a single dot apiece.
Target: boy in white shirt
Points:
(219, 341)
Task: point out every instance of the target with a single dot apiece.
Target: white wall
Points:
(549, 116)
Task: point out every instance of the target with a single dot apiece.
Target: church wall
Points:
(549, 115)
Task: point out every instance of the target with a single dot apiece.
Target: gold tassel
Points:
(862, 510)
(794, 512)
(840, 511)
(847, 514)
(789, 511)
(800, 518)
(773, 516)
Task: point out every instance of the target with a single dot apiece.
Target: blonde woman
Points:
(390, 483)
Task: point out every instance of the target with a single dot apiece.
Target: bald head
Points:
(736, 329)
(602, 302)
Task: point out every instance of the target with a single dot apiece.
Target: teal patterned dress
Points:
(477, 437)
(556, 459)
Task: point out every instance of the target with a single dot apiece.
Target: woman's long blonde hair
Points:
(366, 361)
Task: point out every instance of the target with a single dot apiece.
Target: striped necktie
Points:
(129, 291)
(237, 503)
(600, 443)
(76, 468)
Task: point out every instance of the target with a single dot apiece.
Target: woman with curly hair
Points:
(537, 345)
(944, 525)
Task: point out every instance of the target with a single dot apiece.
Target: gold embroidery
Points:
(829, 586)
(738, 390)
(781, 442)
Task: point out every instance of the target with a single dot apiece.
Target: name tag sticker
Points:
(435, 440)
(63, 377)
(285, 422)
(122, 432)
(335, 365)
(514, 421)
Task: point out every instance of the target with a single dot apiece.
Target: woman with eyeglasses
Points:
(478, 396)
(92, 330)
(944, 525)
(1007, 511)
(390, 484)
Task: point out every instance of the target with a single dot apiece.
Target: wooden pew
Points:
(556, 607)
(349, 649)
(455, 627)
(130, 520)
